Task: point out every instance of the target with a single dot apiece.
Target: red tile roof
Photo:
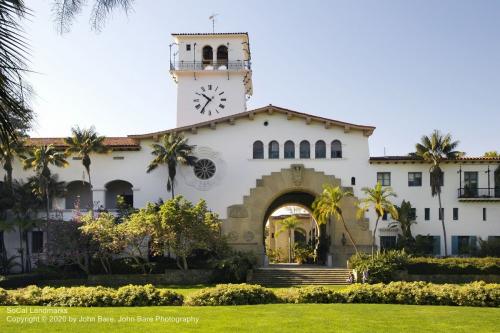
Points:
(115, 143)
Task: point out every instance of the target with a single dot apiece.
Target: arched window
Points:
(274, 150)
(336, 149)
(222, 57)
(305, 149)
(289, 149)
(320, 149)
(78, 195)
(258, 150)
(117, 188)
(208, 55)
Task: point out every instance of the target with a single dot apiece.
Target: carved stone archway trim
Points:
(244, 221)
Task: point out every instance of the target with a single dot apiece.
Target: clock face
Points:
(209, 100)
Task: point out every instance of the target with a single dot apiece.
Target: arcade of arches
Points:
(297, 185)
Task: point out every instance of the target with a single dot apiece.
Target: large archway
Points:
(244, 222)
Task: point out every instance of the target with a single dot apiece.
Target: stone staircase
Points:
(295, 276)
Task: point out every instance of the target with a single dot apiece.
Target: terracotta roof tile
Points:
(115, 143)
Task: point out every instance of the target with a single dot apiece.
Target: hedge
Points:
(130, 295)
(424, 265)
(418, 293)
(382, 265)
(233, 294)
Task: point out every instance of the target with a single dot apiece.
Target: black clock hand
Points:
(204, 106)
(206, 97)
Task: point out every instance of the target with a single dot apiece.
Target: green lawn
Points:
(267, 318)
(186, 290)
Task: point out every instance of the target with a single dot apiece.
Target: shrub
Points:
(146, 295)
(233, 294)
(381, 266)
(93, 296)
(419, 293)
(424, 265)
(234, 266)
(4, 297)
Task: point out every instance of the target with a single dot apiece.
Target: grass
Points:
(186, 290)
(267, 318)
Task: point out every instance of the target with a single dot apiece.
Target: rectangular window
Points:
(387, 242)
(414, 179)
(188, 47)
(428, 245)
(463, 245)
(441, 179)
(484, 214)
(37, 241)
(470, 184)
(384, 217)
(384, 178)
(455, 214)
(412, 215)
(427, 214)
(118, 157)
(441, 214)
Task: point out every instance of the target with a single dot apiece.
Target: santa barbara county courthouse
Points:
(252, 162)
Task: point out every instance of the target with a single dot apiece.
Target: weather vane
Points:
(212, 17)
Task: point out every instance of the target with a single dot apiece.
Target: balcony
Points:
(479, 194)
(207, 65)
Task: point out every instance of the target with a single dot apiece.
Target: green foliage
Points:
(490, 247)
(234, 265)
(303, 253)
(185, 227)
(91, 296)
(424, 265)
(146, 295)
(172, 151)
(328, 204)
(380, 266)
(232, 294)
(405, 219)
(417, 293)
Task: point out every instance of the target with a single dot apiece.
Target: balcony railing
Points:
(479, 193)
(208, 65)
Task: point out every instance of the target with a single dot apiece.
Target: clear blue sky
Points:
(406, 67)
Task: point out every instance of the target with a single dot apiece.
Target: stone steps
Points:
(299, 276)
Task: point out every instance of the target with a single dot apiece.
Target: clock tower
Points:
(213, 75)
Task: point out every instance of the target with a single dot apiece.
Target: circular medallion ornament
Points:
(208, 170)
(248, 236)
(204, 169)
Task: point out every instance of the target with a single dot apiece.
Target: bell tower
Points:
(213, 75)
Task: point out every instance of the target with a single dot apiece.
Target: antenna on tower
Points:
(212, 17)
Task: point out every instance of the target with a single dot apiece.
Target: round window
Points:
(204, 169)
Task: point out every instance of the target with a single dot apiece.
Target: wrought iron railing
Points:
(221, 65)
(479, 192)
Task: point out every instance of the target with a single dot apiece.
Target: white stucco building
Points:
(251, 162)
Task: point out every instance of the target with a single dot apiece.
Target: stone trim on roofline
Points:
(270, 109)
(416, 160)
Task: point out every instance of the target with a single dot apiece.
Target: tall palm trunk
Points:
(442, 223)
(289, 245)
(349, 234)
(374, 233)
(8, 170)
(91, 194)
(21, 248)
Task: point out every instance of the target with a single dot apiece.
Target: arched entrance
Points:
(296, 184)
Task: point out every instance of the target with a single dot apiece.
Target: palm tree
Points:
(378, 198)
(328, 203)
(289, 225)
(434, 149)
(172, 151)
(84, 142)
(39, 159)
(8, 151)
(67, 10)
(406, 218)
(492, 153)
(14, 112)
